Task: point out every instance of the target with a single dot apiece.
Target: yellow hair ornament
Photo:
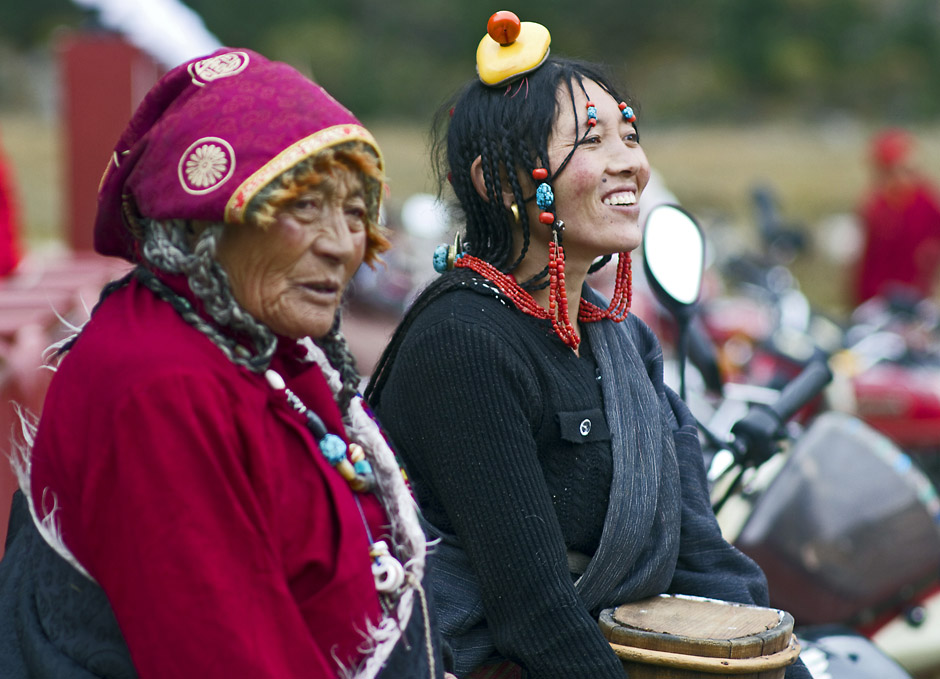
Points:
(511, 48)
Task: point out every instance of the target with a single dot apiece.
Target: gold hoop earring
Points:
(515, 212)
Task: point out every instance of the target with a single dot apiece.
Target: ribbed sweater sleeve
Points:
(461, 404)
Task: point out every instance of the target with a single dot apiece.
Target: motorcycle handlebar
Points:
(757, 432)
(811, 380)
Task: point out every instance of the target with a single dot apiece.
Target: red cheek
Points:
(581, 178)
(290, 234)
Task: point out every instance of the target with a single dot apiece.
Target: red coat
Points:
(902, 243)
(198, 500)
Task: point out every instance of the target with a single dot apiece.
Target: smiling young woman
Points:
(558, 472)
(597, 196)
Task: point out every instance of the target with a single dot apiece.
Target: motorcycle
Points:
(846, 529)
(885, 358)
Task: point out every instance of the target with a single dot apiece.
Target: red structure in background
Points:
(103, 80)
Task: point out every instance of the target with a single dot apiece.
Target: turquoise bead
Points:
(440, 258)
(544, 196)
(333, 448)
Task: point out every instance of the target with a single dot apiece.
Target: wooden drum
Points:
(680, 637)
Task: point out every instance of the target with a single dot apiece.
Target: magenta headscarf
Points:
(210, 135)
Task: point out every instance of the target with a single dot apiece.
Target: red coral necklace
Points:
(557, 311)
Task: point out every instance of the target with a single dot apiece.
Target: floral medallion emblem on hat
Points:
(206, 165)
(220, 66)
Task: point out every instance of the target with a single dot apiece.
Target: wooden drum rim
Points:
(706, 664)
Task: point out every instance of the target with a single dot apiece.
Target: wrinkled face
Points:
(597, 193)
(291, 276)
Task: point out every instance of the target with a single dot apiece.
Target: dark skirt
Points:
(56, 622)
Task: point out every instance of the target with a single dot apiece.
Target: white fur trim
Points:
(401, 510)
(21, 462)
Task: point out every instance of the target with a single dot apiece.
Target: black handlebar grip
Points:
(757, 433)
(801, 389)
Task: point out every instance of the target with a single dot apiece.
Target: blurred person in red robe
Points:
(900, 219)
(9, 220)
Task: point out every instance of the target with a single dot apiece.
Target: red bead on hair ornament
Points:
(504, 27)
(627, 112)
(591, 114)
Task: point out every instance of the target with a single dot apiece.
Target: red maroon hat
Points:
(211, 134)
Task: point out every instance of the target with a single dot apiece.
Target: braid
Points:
(510, 154)
(337, 352)
(490, 247)
(166, 248)
(600, 263)
(61, 348)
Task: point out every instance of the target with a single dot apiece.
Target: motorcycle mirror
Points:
(674, 257)
(674, 261)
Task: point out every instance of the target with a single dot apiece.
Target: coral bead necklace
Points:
(557, 311)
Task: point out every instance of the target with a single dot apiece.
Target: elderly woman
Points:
(203, 466)
(559, 472)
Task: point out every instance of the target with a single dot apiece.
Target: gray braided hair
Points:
(337, 352)
(172, 246)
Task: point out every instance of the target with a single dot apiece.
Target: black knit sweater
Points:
(488, 410)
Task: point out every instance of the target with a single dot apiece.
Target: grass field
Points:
(817, 171)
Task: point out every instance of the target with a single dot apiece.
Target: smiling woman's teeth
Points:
(628, 198)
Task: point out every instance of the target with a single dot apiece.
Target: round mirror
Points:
(674, 256)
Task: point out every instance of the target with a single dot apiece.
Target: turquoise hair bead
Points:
(363, 467)
(333, 448)
(440, 258)
(544, 196)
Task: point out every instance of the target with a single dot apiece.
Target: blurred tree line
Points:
(685, 60)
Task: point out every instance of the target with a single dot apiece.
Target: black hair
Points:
(508, 128)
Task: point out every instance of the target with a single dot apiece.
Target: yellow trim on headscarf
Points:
(293, 154)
